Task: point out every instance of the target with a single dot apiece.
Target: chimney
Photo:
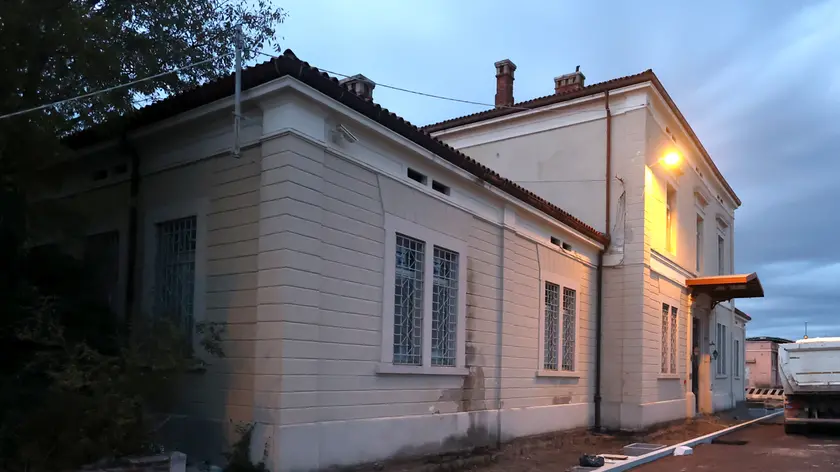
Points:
(569, 82)
(360, 85)
(504, 83)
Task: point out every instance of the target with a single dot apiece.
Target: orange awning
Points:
(727, 287)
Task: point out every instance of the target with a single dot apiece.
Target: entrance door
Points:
(695, 361)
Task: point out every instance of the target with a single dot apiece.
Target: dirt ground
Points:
(560, 451)
(767, 449)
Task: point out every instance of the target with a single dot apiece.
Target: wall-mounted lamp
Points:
(671, 161)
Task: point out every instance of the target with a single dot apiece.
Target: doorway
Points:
(695, 361)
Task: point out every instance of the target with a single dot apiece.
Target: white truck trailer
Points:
(810, 373)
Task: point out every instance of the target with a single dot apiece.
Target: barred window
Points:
(174, 286)
(569, 333)
(552, 326)
(408, 301)
(427, 321)
(444, 307)
(559, 327)
(673, 353)
(669, 345)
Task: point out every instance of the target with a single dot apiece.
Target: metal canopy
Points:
(727, 287)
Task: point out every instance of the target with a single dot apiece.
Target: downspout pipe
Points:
(131, 262)
(599, 314)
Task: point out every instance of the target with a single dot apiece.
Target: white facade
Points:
(315, 250)
(294, 249)
(559, 152)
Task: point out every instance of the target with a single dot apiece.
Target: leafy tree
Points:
(75, 385)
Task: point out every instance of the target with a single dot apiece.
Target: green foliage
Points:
(54, 49)
(82, 398)
(239, 458)
(78, 385)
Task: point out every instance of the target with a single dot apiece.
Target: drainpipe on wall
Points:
(600, 270)
(131, 262)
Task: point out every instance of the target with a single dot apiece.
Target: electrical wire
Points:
(111, 89)
(415, 92)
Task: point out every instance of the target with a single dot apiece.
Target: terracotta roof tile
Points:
(538, 102)
(289, 65)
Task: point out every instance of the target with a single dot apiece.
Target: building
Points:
(669, 278)
(762, 359)
(384, 294)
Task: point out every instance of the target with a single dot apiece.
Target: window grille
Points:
(408, 301)
(175, 272)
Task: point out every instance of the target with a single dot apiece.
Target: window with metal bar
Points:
(174, 284)
(444, 307)
(569, 332)
(408, 301)
(673, 334)
(424, 334)
(664, 352)
(552, 326)
(736, 354)
(698, 245)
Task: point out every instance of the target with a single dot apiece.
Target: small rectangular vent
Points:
(437, 186)
(558, 242)
(417, 176)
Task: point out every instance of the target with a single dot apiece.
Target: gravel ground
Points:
(560, 451)
(767, 449)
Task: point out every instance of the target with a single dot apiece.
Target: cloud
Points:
(758, 81)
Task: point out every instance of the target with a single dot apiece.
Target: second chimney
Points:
(569, 82)
(360, 85)
(504, 83)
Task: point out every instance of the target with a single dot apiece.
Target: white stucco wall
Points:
(331, 398)
(559, 154)
(292, 253)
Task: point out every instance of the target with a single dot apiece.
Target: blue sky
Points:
(758, 80)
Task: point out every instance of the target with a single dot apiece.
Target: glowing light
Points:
(672, 159)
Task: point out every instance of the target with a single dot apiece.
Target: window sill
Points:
(558, 373)
(389, 369)
(668, 377)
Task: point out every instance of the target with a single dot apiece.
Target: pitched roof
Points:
(742, 314)
(289, 65)
(770, 338)
(601, 87)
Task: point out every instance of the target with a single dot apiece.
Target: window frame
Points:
(720, 344)
(666, 349)
(199, 209)
(562, 282)
(721, 253)
(736, 357)
(699, 227)
(670, 218)
(431, 238)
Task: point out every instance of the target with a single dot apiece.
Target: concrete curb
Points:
(667, 451)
